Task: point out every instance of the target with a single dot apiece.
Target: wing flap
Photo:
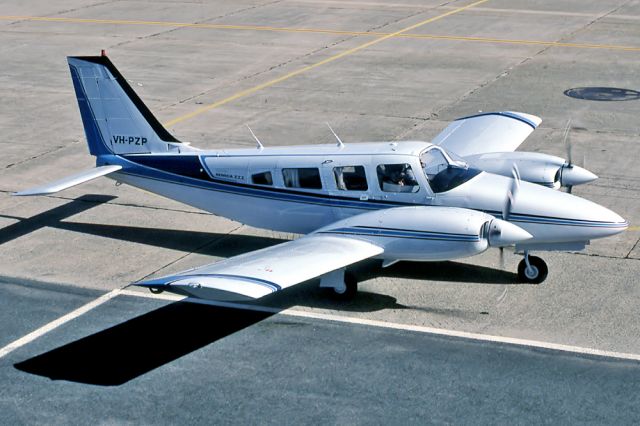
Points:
(256, 274)
(488, 132)
(69, 181)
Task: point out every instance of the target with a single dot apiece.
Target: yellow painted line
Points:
(529, 42)
(321, 31)
(633, 228)
(299, 71)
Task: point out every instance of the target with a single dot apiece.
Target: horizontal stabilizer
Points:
(262, 272)
(70, 181)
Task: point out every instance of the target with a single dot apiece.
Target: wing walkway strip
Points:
(57, 323)
(397, 326)
(320, 31)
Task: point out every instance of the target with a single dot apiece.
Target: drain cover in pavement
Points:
(602, 94)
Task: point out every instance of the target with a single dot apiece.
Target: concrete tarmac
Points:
(136, 360)
(285, 68)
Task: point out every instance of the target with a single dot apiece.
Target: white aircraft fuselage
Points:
(220, 182)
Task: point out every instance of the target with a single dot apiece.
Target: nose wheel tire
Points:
(534, 273)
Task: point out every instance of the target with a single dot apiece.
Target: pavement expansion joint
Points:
(35, 157)
(198, 249)
(631, 251)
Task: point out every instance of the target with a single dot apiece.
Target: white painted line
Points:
(396, 326)
(315, 315)
(57, 323)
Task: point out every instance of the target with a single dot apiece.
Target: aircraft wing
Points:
(262, 272)
(488, 132)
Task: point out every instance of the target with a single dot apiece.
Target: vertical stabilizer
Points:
(115, 119)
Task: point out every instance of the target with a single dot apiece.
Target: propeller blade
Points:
(567, 143)
(511, 193)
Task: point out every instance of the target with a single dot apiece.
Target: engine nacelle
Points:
(429, 233)
(534, 167)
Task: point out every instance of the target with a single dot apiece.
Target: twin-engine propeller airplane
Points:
(417, 201)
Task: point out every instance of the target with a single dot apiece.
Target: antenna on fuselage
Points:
(260, 146)
(340, 143)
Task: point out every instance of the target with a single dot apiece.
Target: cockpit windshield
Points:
(444, 172)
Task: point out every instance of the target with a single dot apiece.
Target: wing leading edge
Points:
(488, 132)
(262, 272)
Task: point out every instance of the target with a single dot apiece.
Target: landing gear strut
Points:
(341, 284)
(532, 269)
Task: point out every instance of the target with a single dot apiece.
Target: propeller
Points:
(511, 193)
(509, 202)
(567, 143)
(570, 173)
(569, 147)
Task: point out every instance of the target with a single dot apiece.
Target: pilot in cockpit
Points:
(407, 178)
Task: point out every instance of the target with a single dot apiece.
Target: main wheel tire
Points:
(352, 288)
(538, 272)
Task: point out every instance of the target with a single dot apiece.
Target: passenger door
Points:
(348, 183)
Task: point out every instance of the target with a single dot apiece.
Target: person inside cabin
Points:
(397, 178)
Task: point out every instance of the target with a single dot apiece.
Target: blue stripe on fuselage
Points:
(177, 174)
(188, 170)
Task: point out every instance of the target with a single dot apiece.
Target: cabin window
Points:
(397, 178)
(263, 178)
(307, 178)
(350, 178)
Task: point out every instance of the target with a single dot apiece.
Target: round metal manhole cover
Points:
(602, 94)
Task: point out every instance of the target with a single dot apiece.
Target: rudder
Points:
(115, 119)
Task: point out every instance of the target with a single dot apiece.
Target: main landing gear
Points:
(342, 285)
(532, 269)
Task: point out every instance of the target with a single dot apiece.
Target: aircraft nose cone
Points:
(503, 233)
(574, 175)
(594, 220)
(616, 223)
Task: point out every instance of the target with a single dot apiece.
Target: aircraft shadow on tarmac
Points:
(128, 350)
(119, 354)
(52, 217)
(125, 351)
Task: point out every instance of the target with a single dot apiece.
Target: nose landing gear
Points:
(532, 269)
